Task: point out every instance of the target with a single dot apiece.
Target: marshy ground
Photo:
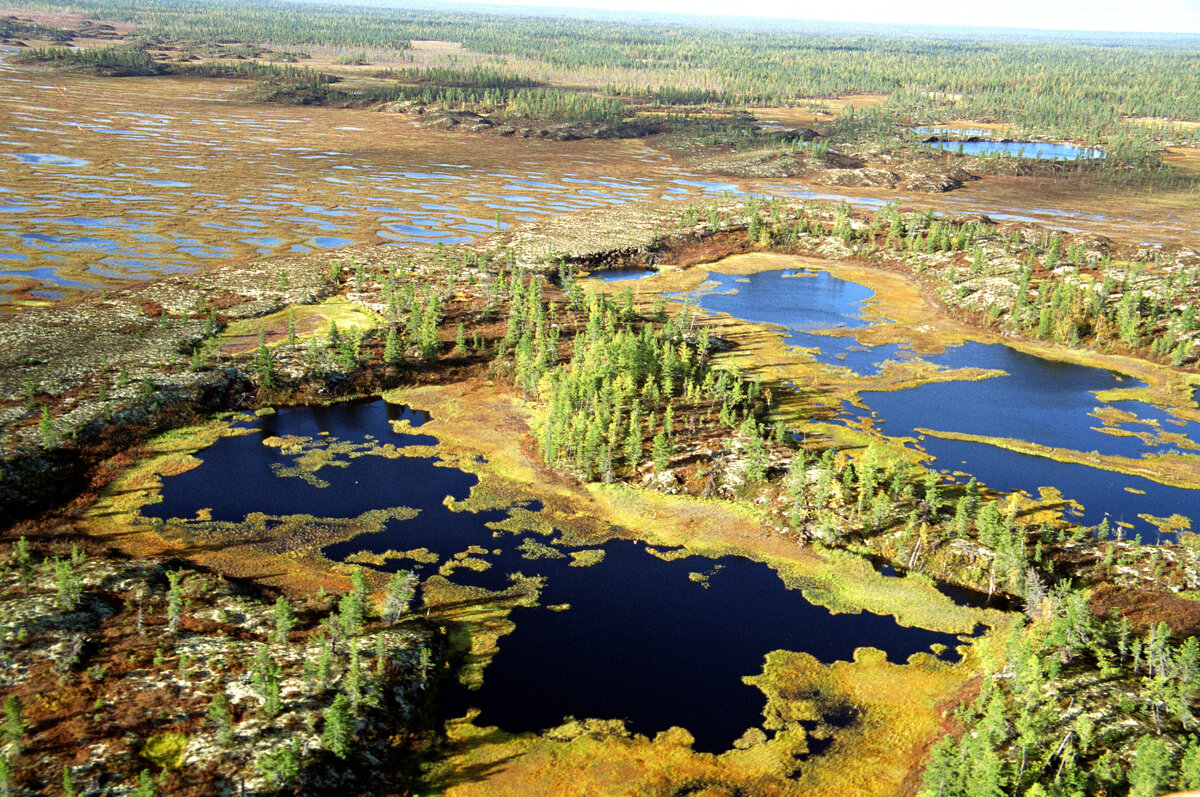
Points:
(305, 347)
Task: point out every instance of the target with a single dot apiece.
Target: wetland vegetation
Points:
(423, 401)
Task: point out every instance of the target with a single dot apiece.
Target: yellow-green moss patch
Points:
(165, 749)
(1173, 470)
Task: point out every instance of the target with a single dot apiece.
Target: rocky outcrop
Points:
(438, 118)
(862, 177)
(937, 182)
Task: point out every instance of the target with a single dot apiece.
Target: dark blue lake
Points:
(641, 642)
(237, 476)
(1102, 493)
(1045, 401)
(1039, 400)
(644, 643)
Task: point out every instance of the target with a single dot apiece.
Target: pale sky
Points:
(1162, 16)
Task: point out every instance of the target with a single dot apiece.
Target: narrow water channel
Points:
(1037, 400)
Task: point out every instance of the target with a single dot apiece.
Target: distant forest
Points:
(1085, 86)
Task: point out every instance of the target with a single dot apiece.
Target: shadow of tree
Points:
(481, 770)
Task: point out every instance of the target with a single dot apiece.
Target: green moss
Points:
(532, 549)
(669, 554)
(310, 321)
(587, 557)
(465, 562)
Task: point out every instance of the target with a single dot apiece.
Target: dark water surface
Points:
(641, 640)
(644, 643)
(237, 477)
(1038, 400)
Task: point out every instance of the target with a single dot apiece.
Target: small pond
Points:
(620, 274)
(654, 642)
(646, 641)
(802, 299)
(953, 131)
(262, 486)
(1036, 150)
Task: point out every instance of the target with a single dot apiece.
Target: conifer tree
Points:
(69, 588)
(339, 727)
(46, 429)
(267, 677)
(174, 600)
(1150, 773)
(660, 451)
(392, 353)
(400, 591)
(284, 619)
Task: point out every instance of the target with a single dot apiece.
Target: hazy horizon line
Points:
(716, 19)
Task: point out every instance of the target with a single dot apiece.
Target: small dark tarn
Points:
(659, 644)
(237, 476)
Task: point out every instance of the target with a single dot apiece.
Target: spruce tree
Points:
(174, 600)
(267, 678)
(264, 362)
(400, 591)
(1149, 775)
(339, 727)
(221, 718)
(393, 354)
(660, 450)
(46, 429)
(351, 609)
(69, 588)
(284, 619)
(633, 441)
